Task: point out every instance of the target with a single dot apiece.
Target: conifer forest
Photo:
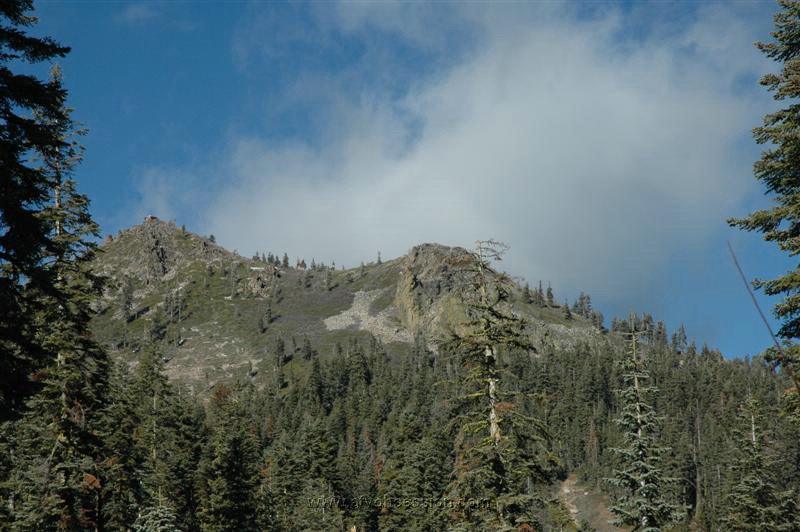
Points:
(153, 380)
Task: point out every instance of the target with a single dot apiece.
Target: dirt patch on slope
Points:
(587, 506)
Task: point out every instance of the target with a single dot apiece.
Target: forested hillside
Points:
(159, 382)
(294, 402)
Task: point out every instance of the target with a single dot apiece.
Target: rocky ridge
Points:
(215, 315)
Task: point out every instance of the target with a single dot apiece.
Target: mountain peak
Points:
(152, 250)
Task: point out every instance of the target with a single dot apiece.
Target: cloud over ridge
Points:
(596, 151)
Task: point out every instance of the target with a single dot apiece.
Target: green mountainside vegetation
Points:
(159, 382)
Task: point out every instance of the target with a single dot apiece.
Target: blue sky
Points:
(606, 142)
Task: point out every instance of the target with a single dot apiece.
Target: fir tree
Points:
(122, 487)
(526, 294)
(679, 341)
(59, 446)
(640, 479)
(754, 503)
(502, 455)
(316, 508)
(280, 351)
(125, 302)
(777, 170)
(228, 472)
(158, 518)
(150, 391)
(34, 122)
(413, 482)
(307, 351)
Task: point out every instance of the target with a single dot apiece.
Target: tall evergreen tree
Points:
(527, 298)
(122, 486)
(640, 479)
(777, 169)
(228, 471)
(33, 119)
(60, 449)
(502, 455)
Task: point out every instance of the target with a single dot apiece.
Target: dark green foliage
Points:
(34, 122)
(316, 508)
(57, 448)
(155, 434)
(413, 487)
(777, 170)
(266, 318)
(123, 491)
(228, 471)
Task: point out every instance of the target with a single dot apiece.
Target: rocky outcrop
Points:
(426, 297)
(153, 250)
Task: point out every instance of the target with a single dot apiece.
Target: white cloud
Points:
(137, 13)
(595, 154)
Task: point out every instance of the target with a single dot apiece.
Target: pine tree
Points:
(150, 391)
(228, 472)
(502, 454)
(413, 481)
(165, 439)
(159, 518)
(34, 121)
(307, 351)
(526, 294)
(597, 319)
(777, 170)
(122, 486)
(679, 340)
(754, 503)
(59, 448)
(316, 509)
(640, 479)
